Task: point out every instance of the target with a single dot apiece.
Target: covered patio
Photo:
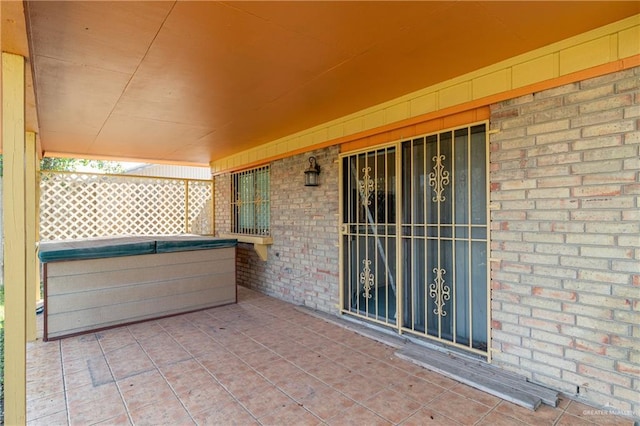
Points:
(261, 361)
(477, 188)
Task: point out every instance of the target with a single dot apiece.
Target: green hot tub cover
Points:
(96, 248)
(191, 242)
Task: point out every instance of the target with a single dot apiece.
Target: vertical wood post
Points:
(186, 206)
(31, 209)
(15, 270)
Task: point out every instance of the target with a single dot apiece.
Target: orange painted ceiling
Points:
(197, 81)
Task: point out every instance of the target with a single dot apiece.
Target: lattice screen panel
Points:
(82, 205)
(200, 207)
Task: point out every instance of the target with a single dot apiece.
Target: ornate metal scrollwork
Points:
(366, 186)
(439, 292)
(438, 178)
(367, 278)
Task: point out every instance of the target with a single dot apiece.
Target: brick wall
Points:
(222, 206)
(565, 184)
(302, 265)
(566, 238)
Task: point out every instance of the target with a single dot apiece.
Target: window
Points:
(250, 210)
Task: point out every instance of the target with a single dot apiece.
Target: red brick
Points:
(612, 102)
(567, 158)
(554, 294)
(608, 128)
(540, 323)
(595, 348)
(557, 113)
(504, 113)
(592, 93)
(631, 189)
(596, 191)
(626, 151)
(597, 143)
(604, 375)
(627, 368)
(608, 178)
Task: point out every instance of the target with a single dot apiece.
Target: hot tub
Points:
(99, 283)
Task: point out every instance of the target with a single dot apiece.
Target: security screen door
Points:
(418, 261)
(369, 235)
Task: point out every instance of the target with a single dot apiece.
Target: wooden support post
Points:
(15, 269)
(38, 159)
(32, 277)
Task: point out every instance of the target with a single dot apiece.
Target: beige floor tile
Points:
(204, 347)
(192, 380)
(278, 370)
(39, 352)
(386, 374)
(244, 346)
(91, 404)
(165, 412)
(225, 412)
(418, 389)
(590, 414)
(202, 396)
(290, 414)
(326, 402)
(264, 400)
(498, 419)
(359, 387)
(45, 371)
(57, 419)
(164, 353)
(40, 387)
(260, 361)
(38, 408)
(260, 357)
(144, 389)
(305, 357)
(114, 338)
(128, 361)
(544, 415)
(392, 405)
(145, 330)
(194, 341)
(436, 378)
(330, 372)
(459, 408)
(301, 386)
(357, 416)
(567, 419)
(94, 371)
(75, 364)
(179, 368)
(85, 346)
(121, 420)
(428, 416)
(476, 395)
(224, 365)
(241, 383)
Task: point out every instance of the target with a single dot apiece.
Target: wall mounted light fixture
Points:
(311, 174)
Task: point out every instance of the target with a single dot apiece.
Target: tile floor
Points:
(260, 361)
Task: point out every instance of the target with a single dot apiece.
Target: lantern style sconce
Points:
(311, 174)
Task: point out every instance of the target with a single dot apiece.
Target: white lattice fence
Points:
(82, 205)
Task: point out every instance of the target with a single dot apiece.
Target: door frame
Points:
(398, 327)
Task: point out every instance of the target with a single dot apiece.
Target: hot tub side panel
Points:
(86, 295)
